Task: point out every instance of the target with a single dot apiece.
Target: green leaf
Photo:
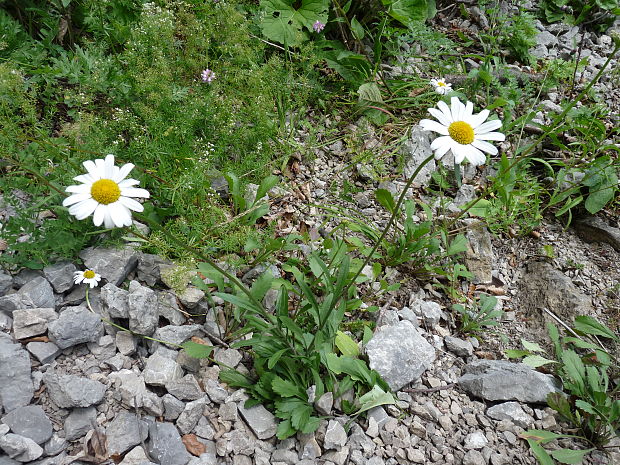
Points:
(273, 360)
(346, 345)
(480, 208)
(512, 353)
(588, 325)
(458, 245)
(540, 435)
(196, 350)
(285, 429)
(265, 186)
(406, 11)
(262, 285)
(367, 335)
(285, 388)
(357, 29)
(288, 25)
(532, 346)
(385, 198)
(558, 402)
(373, 398)
(569, 456)
(585, 406)
(574, 369)
(540, 453)
(536, 361)
(300, 416)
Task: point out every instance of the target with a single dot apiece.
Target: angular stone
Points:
(165, 445)
(115, 301)
(112, 264)
(594, 229)
(125, 431)
(68, 391)
(186, 388)
(143, 309)
(177, 334)
(130, 386)
(228, 412)
(399, 354)
(6, 283)
(16, 388)
(190, 297)
(20, 448)
(429, 311)
(60, 276)
(45, 352)
(55, 445)
(153, 404)
(160, 370)
(30, 322)
(475, 440)
(325, 403)
(335, 436)
(31, 422)
(217, 393)
(135, 456)
(458, 346)
(75, 326)
(173, 407)
(191, 414)
(168, 308)
(204, 429)
(503, 380)
(415, 150)
(309, 447)
(479, 253)
(104, 348)
(228, 357)
(260, 420)
(36, 293)
(125, 342)
(79, 422)
(510, 411)
(148, 268)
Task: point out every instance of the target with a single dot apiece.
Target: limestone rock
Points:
(112, 264)
(60, 276)
(31, 422)
(75, 326)
(68, 391)
(30, 322)
(165, 445)
(16, 388)
(124, 432)
(260, 420)
(143, 309)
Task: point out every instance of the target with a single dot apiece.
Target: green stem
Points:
(457, 174)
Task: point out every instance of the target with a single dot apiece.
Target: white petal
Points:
(79, 279)
(81, 189)
(75, 198)
(459, 152)
(120, 215)
(485, 146)
(475, 156)
(109, 166)
(123, 172)
(445, 109)
(134, 192)
(498, 136)
(128, 183)
(86, 208)
(457, 108)
(442, 150)
(434, 82)
(131, 204)
(430, 125)
(99, 214)
(488, 126)
(85, 178)
(107, 219)
(440, 142)
(469, 110)
(441, 117)
(92, 169)
(476, 120)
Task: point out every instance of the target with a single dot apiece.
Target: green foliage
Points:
(598, 13)
(584, 366)
(478, 317)
(519, 35)
(290, 22)
(408, 11)
(254, 203)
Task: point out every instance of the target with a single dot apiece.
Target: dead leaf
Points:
(485, 355)
(193, 445)
(36, 339)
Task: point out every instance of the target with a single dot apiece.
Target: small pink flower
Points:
(318, 26)
(208, 76)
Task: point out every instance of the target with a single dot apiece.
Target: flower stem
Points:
(457, 174)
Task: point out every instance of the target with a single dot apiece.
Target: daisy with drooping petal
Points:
(462, 132)
(105, 194)
(86, 277)
(441, 86)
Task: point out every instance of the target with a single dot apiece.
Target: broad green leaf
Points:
(458, 245)
(346, 345)
(285, 388)
(532, 346)
(285, 429)
(540, 453)
(196, 350)
(480, 208)
(262, 285)
(406, 11)
(569, 456)
(588, 325)
(273, 360)
(536, 361)
(300, 416)
(574, 368)
(288, 25)
(558, 402)
(585, 406)
(357, 29)
(373, 398)
(312, 424)
(265, 186)
(540, 435)
(385, 198)
(512, 353)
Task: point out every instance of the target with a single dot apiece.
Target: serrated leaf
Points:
(284, 23)
(346, 345)
(285, 388)
(285, 429)
(569, 456)
(536, 361)
(300, 416)
(196, 350)
(585, 406)
(385, 198)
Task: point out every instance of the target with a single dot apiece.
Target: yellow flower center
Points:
(461, 132)
(441, 84)
(89, 274)
(105, 191)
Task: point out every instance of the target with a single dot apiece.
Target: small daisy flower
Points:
(86, 277)
(318, 26)
(208, 76)
(462, 132)
(105, 194)
(441, 86)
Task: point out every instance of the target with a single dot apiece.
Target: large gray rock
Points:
(112, 264)
(20, 448)
(45, 352)
(191, 414)
(399, 354)
(68, 391)
(335, 435)
(115, 301)
(415, 150)
(143, 309)
(16, 387)
(186, 388)
(124, 432)
(169, 308)
(30, 322)
(160, 370)
(79, 422)
(503, 380)
(6, 282)
(31, 422)
(260, 420)
(60, 276)
(165, 445)
(130, 386)
(177, 334)
(510, 411)
(594, 229)
(36, 293)
(75, 326)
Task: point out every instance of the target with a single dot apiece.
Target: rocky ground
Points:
(75, 389)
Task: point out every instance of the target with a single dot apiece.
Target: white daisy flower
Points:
(87, 277)
(441, 86)
(105, 194)
(464, 133)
